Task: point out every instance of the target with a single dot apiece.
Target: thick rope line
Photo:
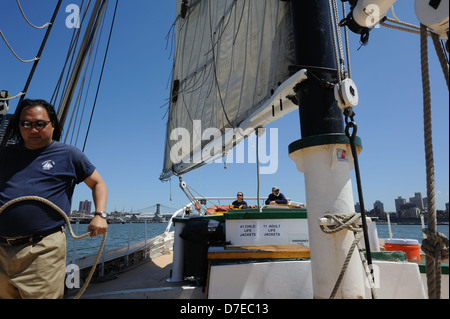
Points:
(432, 264)
(349, 222)
(69, 226)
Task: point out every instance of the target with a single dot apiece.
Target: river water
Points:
(119, 235)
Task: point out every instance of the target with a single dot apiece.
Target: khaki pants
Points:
(34, 271)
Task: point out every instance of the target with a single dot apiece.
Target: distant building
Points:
(417, 199)
(85, 207)
(378, 204)
(409, 210)
(399, 202)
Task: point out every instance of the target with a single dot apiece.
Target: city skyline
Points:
(416, 199)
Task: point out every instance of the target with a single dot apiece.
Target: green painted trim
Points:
(325, 139)
(423, 268)
(267, 213)
(388, 255)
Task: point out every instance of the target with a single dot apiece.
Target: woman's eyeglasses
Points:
(37, 124)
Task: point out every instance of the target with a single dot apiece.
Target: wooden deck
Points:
(146, 281)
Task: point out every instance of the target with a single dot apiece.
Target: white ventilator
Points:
(367, 13)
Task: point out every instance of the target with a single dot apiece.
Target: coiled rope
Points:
(66, 219)
(349, 222)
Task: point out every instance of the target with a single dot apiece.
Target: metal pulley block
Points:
(434, 14)
(346, 94)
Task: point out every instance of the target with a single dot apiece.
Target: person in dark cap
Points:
(276, 197)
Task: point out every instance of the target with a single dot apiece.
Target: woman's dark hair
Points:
(32, 103)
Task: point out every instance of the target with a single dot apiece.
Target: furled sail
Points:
(231, 71)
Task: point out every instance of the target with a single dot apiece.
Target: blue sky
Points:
(127, 135)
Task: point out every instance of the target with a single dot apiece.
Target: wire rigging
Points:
(77, 103)
(101, 73)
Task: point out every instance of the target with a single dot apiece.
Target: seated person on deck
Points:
(276, 197)
(239, 203)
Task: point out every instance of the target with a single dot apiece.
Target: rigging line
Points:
(96, 15)
(347, 43)
(182, 96)
(9, 129)
(97, 39)
(23, 14)
(193, 87)
(339, 38)
(191, 189)
(261, 45)
(175, 58)
(70, 53)
(244, 69)
(232, 56)
(433, 271)
(333, 32)
(75, 111)
(198, 69)
(14, 53)
(407, 27)
(86, 95)
(239, 24)
(80, 91)
(257, 167)
(101, 73)
(443, 60)
(199, 57)
(12, 97)
(77, 108)
(79, 95)
(170, 34)
(393, 13)
(203, 68)
(405, 24)
(222, 26)
(384, 24)
(41, 49)
(215, 70)
(185, 104)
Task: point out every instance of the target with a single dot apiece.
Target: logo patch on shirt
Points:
(48, 165)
